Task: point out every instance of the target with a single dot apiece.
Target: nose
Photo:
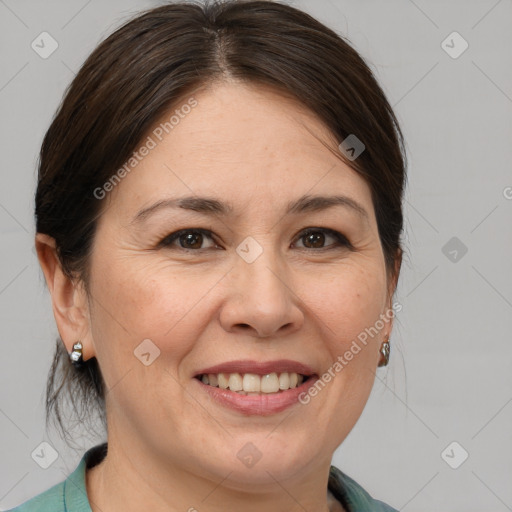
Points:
(260, 302)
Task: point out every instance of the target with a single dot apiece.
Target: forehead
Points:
(246, 143)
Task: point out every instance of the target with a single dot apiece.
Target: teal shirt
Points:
(71, 496)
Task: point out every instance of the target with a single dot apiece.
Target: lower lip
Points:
(264, 404)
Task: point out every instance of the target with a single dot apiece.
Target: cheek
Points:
(138, 300)
(161, 301)
(349, 303)
(358, 322)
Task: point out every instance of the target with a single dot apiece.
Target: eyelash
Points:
(342, 241)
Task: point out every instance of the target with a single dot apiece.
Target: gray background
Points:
(450, 376)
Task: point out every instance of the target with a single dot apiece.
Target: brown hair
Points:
(141, 70)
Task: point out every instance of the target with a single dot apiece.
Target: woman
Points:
(218, 222)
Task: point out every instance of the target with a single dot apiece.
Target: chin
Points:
(260, 459)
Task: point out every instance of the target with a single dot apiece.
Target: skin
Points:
(171, 447)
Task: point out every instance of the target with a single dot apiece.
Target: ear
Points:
(393, 282)
(69, 299)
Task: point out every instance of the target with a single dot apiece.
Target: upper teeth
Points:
(252, 383)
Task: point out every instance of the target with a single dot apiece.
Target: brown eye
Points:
(316, 238)
(313, 238)
(191, 239)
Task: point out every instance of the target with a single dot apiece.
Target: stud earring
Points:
(76, 355)
(385, 349)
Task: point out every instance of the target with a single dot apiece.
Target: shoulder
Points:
(353, 497)
(51, 500)
(71, 493)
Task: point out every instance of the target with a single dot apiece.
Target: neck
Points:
(137, 479)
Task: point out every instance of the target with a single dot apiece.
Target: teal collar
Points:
(348, 492)
(75, 493)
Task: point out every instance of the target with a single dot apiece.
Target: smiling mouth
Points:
(253, 384)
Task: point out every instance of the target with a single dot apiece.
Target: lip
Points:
(259, 367)
(250, 405)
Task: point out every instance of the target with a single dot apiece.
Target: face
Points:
(200, 288)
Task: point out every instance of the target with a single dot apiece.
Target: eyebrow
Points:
(212, 206)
